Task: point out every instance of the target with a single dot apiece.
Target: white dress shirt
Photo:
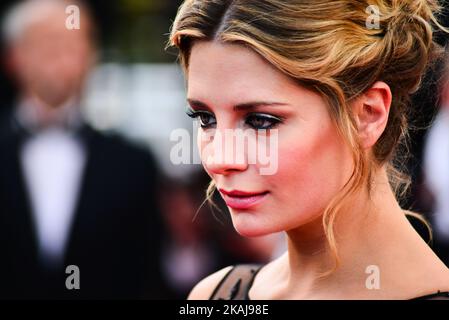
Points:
(436, 167)
(53, 160)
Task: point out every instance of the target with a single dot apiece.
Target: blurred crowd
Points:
(73, 193)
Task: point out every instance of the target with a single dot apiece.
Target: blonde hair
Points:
(328, 47)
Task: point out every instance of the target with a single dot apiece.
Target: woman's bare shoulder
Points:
(203, 290)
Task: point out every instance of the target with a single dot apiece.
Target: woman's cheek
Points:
(296, 176)
(308, 174)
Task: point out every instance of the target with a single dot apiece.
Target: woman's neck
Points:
(372, 234)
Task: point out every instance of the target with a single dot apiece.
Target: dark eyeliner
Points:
(196, 114)
(267, 117)
(191, 113)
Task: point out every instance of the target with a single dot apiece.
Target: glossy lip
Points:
(237, 199)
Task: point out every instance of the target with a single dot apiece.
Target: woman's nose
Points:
(225, 153)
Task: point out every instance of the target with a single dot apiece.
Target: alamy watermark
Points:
(373, 280)
(228, 147)
(373, 20)
(72, 282)
(73, 21)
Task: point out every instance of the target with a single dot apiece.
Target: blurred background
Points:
(95, 174)
(105, 157)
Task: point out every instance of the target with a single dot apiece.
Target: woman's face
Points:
(231, 88)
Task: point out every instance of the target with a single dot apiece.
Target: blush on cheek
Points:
(311, 173)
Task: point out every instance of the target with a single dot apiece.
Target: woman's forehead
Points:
(230, 69)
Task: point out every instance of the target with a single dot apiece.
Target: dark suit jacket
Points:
(115, 236)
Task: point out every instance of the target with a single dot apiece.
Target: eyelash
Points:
(251, 116)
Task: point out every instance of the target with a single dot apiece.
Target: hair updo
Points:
(338, 48)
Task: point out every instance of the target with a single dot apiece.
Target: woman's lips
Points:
(242, 200)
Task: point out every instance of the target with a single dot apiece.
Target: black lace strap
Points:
(236, 283)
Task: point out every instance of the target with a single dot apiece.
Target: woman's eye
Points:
(262, 121)
(206, 119)
(255, 121)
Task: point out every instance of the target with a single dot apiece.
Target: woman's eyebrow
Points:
(255, 104)
(240, 106)
(197, 103)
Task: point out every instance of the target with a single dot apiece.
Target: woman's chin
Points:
(250, 227)
(251, 232)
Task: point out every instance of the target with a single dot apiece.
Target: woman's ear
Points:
(371, 111)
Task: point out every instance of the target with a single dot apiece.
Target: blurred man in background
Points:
(68, 194)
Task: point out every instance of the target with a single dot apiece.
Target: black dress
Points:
(236, 284)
